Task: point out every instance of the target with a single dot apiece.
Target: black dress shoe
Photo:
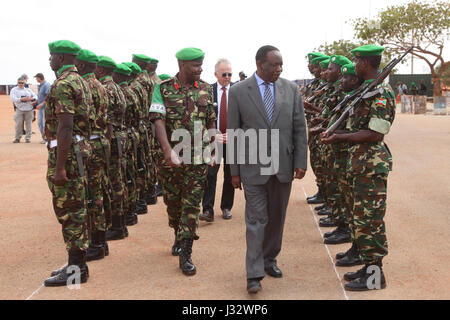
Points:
(327, 223)
(273, 271)
(253, 286)
(206, 216)
(314, 196)
(226, 214)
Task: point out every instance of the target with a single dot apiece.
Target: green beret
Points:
(142, 58)
(107, 62)
(164, 76)
(318, 59)
(86, 55)
(134, 67)
(313, 55)
(324, 63)
(188, 54)
(64, 46)
(340, 60)
(367, 50)
(348, 69)
(122, 69)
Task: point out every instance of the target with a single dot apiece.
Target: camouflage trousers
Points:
(369, 208)
(99, 186)
(117, 178)
(130, 167)
(69, 202)
(182, 192)
(341, 188)
(143, 149)
(315, 160)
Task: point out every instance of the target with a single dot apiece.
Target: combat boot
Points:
(116, 232)
(77, 261)
(176, 248)
(351, 258)
(364, 280)
(141, 207)
(96, 250)
(340, 255)
(150, 198)
(324, 211)
(327, 222)
(316, 199)
(186, 264)
(158, 190)
(314, 196)
(131, 217)
(321, 206)
(340, 235)
(102, 241)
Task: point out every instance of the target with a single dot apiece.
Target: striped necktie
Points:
(268, 101)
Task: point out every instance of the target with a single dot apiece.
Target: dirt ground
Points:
(141, 267)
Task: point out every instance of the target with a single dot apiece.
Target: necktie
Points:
(268, 102)
(223, 111)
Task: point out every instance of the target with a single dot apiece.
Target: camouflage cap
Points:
(164, 76)
(324, 64)
(86, 55)
(319, 59)
(107, 62)
(134, 67)
(368, 50)
(189, 54)
(64, 46)
(348, 69)
(122, 69)
(313, 55)
(340, 60)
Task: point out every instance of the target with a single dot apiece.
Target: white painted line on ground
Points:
(38, 289)
(326, 247)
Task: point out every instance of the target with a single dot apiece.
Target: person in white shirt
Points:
(223, 73)
(24, 99)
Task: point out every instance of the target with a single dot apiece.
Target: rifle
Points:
(365, 93)
(318, 92)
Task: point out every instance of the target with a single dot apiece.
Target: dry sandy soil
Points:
(141, 267)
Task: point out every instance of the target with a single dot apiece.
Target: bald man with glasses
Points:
(223, 73)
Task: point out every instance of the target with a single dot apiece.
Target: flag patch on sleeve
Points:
(381, 102)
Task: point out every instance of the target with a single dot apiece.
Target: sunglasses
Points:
(225, 74)
(21, 82)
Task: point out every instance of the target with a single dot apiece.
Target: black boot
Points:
(150, 198)
(341, 235)
(364, 280)
(116, 231)
(96, 249)
(340, 255)
(158, 189)
(186, 264)
(131, 217)
(351, 258)
(325, 211)
(124, 227)
(327, 222)
(102, 241)
(141, 207)
(77, 258)
(320, 207)
(316, 199)
(314, 196)
(176, 248)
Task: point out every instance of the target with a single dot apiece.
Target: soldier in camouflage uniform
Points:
(98, 171)
(143, 149)
(146, 79)
(121, 76)
(178, 103)
(369, 163)
(67, 131)
(116, 135)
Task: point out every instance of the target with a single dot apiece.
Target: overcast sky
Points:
(232, 29)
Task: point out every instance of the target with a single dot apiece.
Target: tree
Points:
(422, 25)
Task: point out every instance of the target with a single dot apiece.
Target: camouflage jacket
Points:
(142, 96)
(144, 79)
(100, 104)
(307, 90)
(180, 107)
(68, 94)
(377, 114)
(117, 105)
(133, 106)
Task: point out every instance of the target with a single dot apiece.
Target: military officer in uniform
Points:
(183, 102)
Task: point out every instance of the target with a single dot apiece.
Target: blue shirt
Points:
(44, 89)
(262, 87)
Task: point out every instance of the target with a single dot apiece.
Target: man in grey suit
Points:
(271, 109)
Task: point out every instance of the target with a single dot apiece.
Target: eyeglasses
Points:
(225, 74)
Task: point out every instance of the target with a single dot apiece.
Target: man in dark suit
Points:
(223, 73)
(270, 109)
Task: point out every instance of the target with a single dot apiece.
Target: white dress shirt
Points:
(219, 98)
